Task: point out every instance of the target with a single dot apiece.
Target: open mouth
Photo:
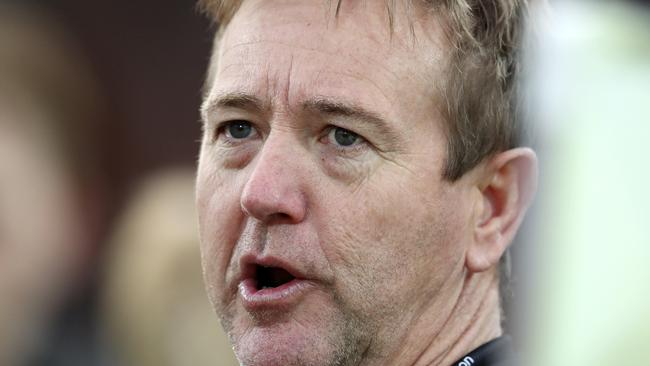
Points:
(270, 284)
(271, 277)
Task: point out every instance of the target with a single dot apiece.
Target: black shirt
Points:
(497, 352)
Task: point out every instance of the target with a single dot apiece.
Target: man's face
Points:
(327, 231)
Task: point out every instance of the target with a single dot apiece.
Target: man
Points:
(360, 179)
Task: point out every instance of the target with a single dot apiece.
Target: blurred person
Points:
(155, 309)
(360, 178)
(589, 299)
(50, 187)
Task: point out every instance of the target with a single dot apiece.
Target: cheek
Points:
(387, 243)
(220, 219)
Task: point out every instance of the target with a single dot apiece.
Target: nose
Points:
(273, 191)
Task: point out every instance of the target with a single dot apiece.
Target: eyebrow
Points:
(336, 108)
(319, 105)
(235, 100)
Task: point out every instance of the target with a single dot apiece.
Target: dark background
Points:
(150, 57)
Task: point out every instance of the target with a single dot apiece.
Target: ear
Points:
(506, 189)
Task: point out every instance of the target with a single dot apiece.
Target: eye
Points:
(238, 130)
(343, 137)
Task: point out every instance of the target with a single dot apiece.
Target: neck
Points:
(474, 319)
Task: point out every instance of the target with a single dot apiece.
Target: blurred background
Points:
(99, 131)
(585, 253)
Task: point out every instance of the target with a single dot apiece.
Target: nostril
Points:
(279, 218)
(285, 210)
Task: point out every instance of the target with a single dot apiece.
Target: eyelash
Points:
(356, 147)
(221, 130)
(359, 145)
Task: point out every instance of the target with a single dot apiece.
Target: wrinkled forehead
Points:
(403, 41)
(368, 20)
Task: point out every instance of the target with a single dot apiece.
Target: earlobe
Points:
(506, 190)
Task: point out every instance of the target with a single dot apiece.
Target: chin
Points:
(307, 335)
(289, 343)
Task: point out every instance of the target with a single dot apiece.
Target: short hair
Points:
(483, 106)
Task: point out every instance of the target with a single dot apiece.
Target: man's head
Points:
(358, 180)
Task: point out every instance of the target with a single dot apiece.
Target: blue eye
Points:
(239, 130)
(344, 137)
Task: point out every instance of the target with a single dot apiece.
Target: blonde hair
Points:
(154, 306)
(483, 107)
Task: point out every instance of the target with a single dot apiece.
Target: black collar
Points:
(497, 352)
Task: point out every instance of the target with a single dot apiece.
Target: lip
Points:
(282, 297)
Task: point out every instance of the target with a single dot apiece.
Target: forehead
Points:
(290, 49)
